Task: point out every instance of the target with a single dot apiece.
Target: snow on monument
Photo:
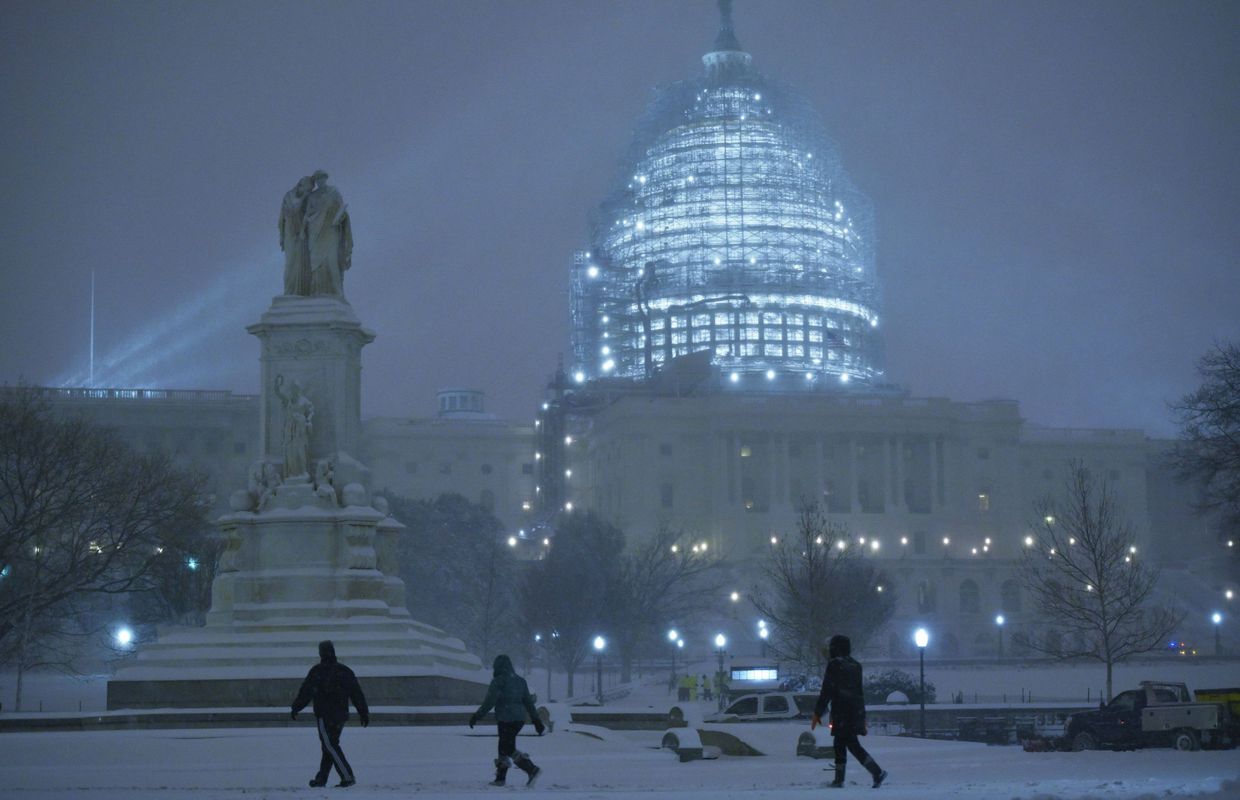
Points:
(310, 553)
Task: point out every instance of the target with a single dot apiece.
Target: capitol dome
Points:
(733, 229)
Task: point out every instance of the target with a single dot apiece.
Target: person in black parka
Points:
(842, 688)
(331, 685)
(509, 695)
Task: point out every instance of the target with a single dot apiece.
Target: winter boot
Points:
(501, 771)
(316, 782)
(528, 767)
(875, 771)
(345, 783)
(838, 783)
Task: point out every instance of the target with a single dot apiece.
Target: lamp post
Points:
(599, 645)
(999, 620)
(763, 634)
(922, 638)
(1217, 619)
(721, 643)
(673, 637)
(538, 639)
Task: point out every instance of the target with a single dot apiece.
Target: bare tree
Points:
(458, 573)
(815, 582)
(1209, 450)
(565, 595)
(1085, 577)
(663, 579)
(81, 515)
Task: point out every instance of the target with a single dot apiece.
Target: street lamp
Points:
(599, 645)
(763, 634)
(922, 638)
(1217, 619)
(673, 637)
(123, 637)
(721, 643)
(999, 620)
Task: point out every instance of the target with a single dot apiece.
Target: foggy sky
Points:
(1055, 183)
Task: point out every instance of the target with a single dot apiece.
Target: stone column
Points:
(854, 501)
(900, 504)
(888, 472)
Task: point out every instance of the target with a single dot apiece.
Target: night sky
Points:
(1055, 183)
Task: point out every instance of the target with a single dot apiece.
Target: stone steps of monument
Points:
(309, 633)
(297, 643)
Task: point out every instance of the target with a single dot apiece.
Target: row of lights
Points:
(771, 375)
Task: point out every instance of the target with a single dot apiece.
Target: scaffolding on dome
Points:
(734, 229)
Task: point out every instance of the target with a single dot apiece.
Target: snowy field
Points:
(992, 682)
(456, 762)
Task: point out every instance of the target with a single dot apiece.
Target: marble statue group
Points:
(316, 237)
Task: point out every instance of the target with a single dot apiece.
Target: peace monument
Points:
(310, 552)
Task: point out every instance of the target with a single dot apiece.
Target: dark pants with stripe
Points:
(508, 738)
(847, 743)
(329, 740)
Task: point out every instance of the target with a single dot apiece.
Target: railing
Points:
(156, 395)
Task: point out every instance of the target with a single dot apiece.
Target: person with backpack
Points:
(509, 695)
(331, 686)
(842, 688)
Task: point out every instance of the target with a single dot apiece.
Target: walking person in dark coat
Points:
(510, 697)
(842, 688)
(331, 685)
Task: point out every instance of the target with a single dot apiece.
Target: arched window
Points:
(926, 600)
(968, 597)
(950, 646)
(1010, 596)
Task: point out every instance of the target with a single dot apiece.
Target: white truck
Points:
(1157, 714)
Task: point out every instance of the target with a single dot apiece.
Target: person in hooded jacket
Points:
(509, 695)
(842, 687)
(331, 685)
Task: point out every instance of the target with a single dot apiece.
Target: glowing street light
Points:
(600, 644)
(921, 637)
(673, 636)
(999, 620)
(1217, 619)
(123, 637)
(721, 643)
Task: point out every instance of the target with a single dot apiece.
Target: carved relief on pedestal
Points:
(360, 541)
(301, 348)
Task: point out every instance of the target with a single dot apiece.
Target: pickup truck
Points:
(1154, 715)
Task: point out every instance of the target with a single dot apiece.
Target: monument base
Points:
(247, 692)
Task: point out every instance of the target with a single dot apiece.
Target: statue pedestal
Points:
(291, 577)
(305, 560)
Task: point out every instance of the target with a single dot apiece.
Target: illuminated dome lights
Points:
(736, 231)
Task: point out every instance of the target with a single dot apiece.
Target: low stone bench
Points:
(686, 743)
(815, 744)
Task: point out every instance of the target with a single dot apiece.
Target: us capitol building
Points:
(725, 364)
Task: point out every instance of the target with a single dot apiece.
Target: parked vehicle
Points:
(1155, 715)
(770, 706)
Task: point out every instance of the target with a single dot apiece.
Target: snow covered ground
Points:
(991, 682)
(440, 762)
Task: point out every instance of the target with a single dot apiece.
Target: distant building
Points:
(939, 494)
(727, 365)
(733, 229)
(213, 432)
(462, 449)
